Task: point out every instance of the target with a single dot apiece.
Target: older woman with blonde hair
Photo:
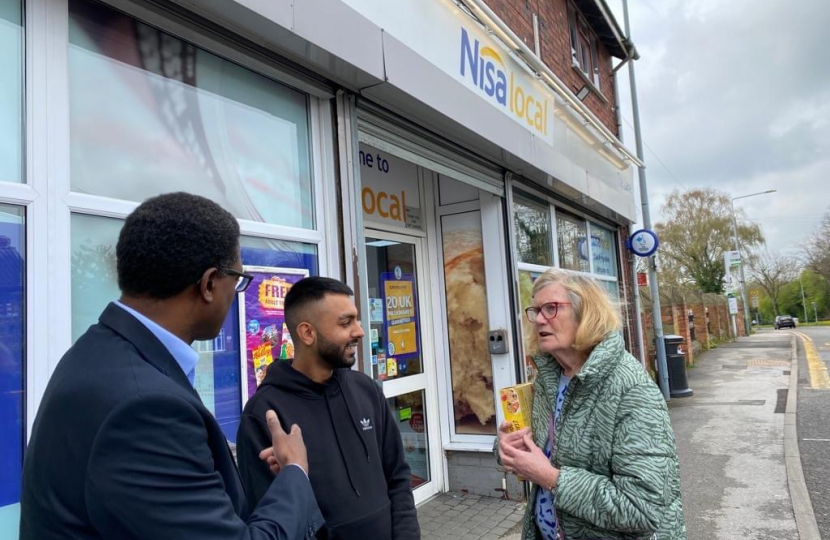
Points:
(600, 452)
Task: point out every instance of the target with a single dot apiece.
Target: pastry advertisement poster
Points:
(400, 327)
(262, 322)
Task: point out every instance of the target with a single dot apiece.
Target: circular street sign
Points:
(643, 243)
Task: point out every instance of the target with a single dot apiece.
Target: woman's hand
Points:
(514, 439)
(528, 461)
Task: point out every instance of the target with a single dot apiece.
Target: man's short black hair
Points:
(308, 290)
(168, 242)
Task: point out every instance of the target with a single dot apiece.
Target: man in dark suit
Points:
(122, 446)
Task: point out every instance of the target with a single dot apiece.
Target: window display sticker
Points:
(405, 414)
(375, 335)
(401, 309)
(262, 322)
(376, 310)
(381, 368)
(391, 368)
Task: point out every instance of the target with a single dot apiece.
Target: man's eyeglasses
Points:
(242, 279)
(548, 310)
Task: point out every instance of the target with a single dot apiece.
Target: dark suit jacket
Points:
(123, 448)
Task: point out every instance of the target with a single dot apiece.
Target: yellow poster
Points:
(401, 325)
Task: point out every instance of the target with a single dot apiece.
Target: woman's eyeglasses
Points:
(548, 310)
(242, 279)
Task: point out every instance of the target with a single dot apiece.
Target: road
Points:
(813, 418)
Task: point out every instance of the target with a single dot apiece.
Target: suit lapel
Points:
(148, 345)
(156, 354)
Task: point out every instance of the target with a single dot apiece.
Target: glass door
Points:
(402, 358)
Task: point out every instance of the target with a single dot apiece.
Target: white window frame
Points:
(51, 201)
(576, 36)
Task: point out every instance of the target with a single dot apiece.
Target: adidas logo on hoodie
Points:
(366, 423)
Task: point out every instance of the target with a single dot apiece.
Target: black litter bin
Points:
(676, 361)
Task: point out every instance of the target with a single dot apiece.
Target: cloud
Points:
(736, 96)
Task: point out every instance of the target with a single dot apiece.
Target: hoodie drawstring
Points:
(354, 422)
(339, 447)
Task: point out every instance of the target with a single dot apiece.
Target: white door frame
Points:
(426, 380)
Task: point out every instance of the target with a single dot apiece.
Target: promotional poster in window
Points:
(263, 321)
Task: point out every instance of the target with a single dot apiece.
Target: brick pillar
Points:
(714, 322)
(701, 332)
(681, 316)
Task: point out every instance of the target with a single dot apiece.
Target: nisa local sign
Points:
(506, 87)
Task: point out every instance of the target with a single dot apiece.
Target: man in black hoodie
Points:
(355, 454)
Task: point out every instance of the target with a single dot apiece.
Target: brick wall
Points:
(555, 48)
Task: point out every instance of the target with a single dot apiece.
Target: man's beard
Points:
(332, 355)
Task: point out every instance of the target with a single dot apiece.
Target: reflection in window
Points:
(95, 284)
(532, 224)
(466, 296)
(409, 412)
(571, 234)
(12, 364)
(151, 113)
(602, 251)
(11, 91)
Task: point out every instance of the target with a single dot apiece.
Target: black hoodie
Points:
(355, 455)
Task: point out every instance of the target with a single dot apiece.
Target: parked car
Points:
(784, 321)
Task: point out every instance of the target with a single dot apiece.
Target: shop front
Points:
(433, 179)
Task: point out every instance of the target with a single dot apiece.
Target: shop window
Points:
(219, 380)
(11, 91)
(572, 234)
(395, 327)
(466, 296)
(410, 414)
(529, 343)
(612, 288)
(151, 113)
(532, 228)
(604, 254)
(583, 46)
(12, 364)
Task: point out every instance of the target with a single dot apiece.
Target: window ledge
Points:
(470, 447)
(589, 83)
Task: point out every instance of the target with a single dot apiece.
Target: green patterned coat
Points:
(619, 475)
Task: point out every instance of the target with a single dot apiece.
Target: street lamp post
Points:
(738, 249)
(803, 301)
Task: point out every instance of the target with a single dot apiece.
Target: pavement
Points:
(461, 516)
(737, 473)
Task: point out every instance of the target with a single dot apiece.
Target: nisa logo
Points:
(484, 67)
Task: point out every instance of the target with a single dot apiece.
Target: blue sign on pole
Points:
(643, 243)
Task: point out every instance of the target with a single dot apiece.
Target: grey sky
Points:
(736, 96)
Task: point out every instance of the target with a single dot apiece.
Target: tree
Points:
(817, 250)
(772, 271)
(696, 232)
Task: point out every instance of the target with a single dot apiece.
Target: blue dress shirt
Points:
(184, 355)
